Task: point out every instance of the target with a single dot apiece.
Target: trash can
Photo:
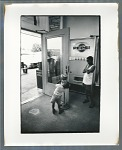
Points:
(39, 79)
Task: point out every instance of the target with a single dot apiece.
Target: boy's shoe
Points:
(61, 111)
(53, 111)
(86, 101)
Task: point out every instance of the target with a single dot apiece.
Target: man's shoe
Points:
(86, 101)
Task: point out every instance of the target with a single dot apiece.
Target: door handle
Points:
(67, 69)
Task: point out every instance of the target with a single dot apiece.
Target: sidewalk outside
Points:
(29, 89)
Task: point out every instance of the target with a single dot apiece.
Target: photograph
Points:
(60, 91)
(59, 76)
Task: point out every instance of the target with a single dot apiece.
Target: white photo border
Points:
(109, 113)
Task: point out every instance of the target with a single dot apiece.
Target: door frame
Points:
(64, 33)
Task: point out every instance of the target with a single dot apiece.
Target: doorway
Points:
(55, 59)
(31, 59)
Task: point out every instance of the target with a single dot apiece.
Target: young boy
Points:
(87, 80)
(56, 97)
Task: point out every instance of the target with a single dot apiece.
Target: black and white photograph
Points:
(60, 90)
(60, 74)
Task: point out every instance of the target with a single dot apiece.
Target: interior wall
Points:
(80, 27)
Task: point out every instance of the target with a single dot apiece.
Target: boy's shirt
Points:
(59, 90)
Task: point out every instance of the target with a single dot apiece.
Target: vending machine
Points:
(80, 49)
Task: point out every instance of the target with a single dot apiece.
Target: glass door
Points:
(55, 58)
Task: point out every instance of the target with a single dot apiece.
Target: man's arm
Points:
(85, 69)
(91, 69)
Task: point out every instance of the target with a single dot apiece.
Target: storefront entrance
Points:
(55, 59)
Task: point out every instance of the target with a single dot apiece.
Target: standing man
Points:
(87, 81)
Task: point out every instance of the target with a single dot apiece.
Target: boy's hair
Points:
(63, 77)
(66, 85)
(90, 58)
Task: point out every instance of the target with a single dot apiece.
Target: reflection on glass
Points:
(54, 48)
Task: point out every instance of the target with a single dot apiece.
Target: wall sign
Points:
(82, 47)
(54, 23)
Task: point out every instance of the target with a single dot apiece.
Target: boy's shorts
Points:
(55, 98)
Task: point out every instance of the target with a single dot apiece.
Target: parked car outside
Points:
(31, 59)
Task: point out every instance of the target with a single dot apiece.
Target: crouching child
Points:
(57, 94)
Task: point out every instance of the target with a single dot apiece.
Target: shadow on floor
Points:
(78, 119)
